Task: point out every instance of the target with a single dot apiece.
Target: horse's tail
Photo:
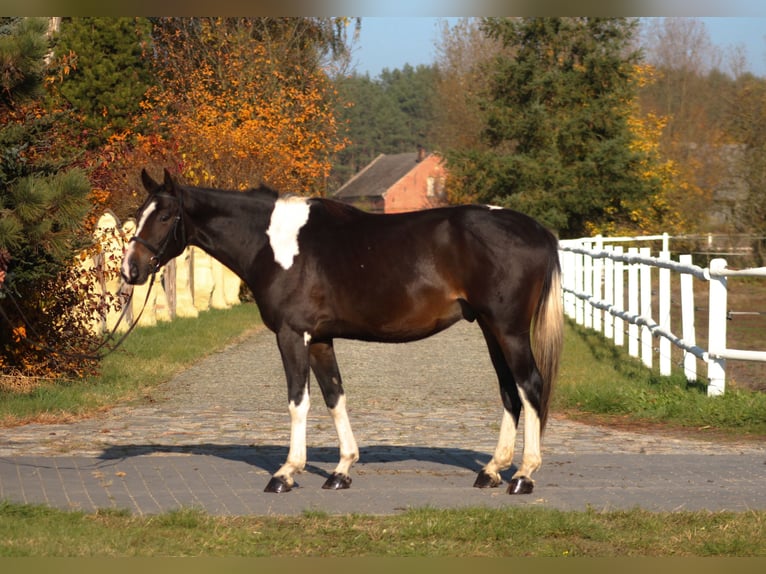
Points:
(548, 335)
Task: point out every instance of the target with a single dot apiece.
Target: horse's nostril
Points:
(132, 273)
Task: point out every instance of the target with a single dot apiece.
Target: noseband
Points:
(177, 231)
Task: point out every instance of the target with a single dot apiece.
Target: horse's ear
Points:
(170, 184)
(146, 179)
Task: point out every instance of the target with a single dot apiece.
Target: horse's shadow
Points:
(320, 460)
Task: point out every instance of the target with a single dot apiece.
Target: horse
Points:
(320, 269)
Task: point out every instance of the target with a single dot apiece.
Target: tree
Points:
(391, 114)
(557, 124)
(243, 100)
(103, 72)
(691, 92)
(463, 54)
(42, 209)
(22, 47)
(748, 121)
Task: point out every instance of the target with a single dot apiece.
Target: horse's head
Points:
(160, 234)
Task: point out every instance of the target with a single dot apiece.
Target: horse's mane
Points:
(262, 189)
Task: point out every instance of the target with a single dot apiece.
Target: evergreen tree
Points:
(42, 209)
(103, 70)
(556, 123)
(412, 92)
(391, 114)
(22, 48)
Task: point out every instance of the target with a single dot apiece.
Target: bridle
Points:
(178, 231)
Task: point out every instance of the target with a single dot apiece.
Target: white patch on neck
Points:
(289, 216)
(492, 207)
(131, 245)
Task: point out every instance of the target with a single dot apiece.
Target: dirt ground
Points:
(746, 328)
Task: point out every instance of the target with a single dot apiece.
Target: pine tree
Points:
(391, 114)
(557, 123)
(22, 48)
(42, 209)
(105, 72)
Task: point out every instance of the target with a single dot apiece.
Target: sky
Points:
(392, 42)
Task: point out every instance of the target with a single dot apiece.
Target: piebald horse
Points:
(320, 270)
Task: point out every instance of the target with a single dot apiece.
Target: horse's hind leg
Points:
(530, 385)
(489, 476)
(326, 370)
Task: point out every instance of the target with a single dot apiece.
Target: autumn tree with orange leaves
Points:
(247, 100)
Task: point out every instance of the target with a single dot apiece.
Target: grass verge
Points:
(602, 382)
(39, 531)
(599, 382)
(148, 357)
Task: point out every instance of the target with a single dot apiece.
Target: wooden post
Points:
(578, 282)
(646, 308)
(633, 333)
(664, 317)
(716, 367)
(609, 293)
(688, 333)
(598, 270)
(619, 298)
(588, 287)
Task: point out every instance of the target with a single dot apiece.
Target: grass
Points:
(601, 382)
(148, 357)
(597, 382)
(38, 531)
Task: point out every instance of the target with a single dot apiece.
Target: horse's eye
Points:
(164, 217)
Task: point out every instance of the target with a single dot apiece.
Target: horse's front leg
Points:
(295, 358)
(325, 367)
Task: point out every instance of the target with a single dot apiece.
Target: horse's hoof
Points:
(277, 485)
(521, 485)
(485, 480)
(337, 481)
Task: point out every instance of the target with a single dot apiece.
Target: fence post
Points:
(664, 316)
(687, 319)
(598, 270)
(633, 333)
(579, 303)
(588, 286)
(717, 329)
(609, 293)
(646, 307)
(568, 273)
(619, 298)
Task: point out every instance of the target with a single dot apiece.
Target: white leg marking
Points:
(131, 245)
(506, 444)
(531, 460)
(296, 457)
(349, 452)
(289, 215)
(306, 339)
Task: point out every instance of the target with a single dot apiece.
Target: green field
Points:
(597, 383)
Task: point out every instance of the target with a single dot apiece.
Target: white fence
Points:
(190, 283)
(607, 287)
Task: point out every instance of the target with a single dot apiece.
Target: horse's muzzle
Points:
(131, 274)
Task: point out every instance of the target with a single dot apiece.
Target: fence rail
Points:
(594, 274)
